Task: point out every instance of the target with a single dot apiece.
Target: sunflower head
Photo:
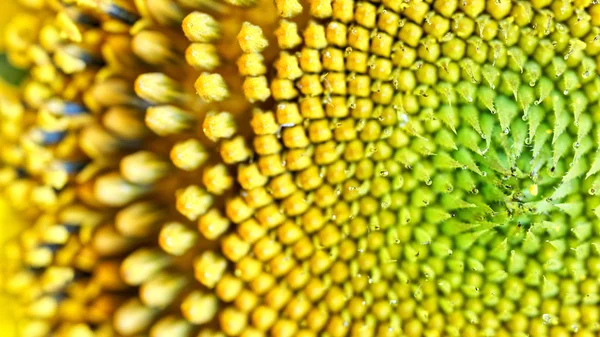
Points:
(305, 168)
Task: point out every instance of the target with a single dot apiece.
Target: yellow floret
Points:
(288, 8)
(199, 307)
(256, 89)
(217, 179)
(188, 155)
(176, 239)
(251, 38)
(211, 87)
(234, 150)
(287, 66)
(202, 56)
(193, 201)
(201, 27)
(213, 224)
(219, 125)
(287, 35)
(251, 64)
(209, 268)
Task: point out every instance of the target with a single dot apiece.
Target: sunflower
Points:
(304, 168)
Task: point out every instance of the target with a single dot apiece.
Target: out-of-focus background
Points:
(9, 225)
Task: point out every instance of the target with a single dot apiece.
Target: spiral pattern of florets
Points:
(306, 168)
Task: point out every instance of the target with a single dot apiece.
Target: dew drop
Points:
(384, 173)
(506, 131)
(428, 182)
(592, 191)
(546, 318)
(403, 120)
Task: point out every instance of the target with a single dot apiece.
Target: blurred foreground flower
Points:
(321, 168)
(10, 225)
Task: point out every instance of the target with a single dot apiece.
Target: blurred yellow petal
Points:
(7, 10)
(9, 227)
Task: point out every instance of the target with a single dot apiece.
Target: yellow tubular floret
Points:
(176, 239)
(201, 27)
(188, 155)
(202, 56)
(211, 87)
